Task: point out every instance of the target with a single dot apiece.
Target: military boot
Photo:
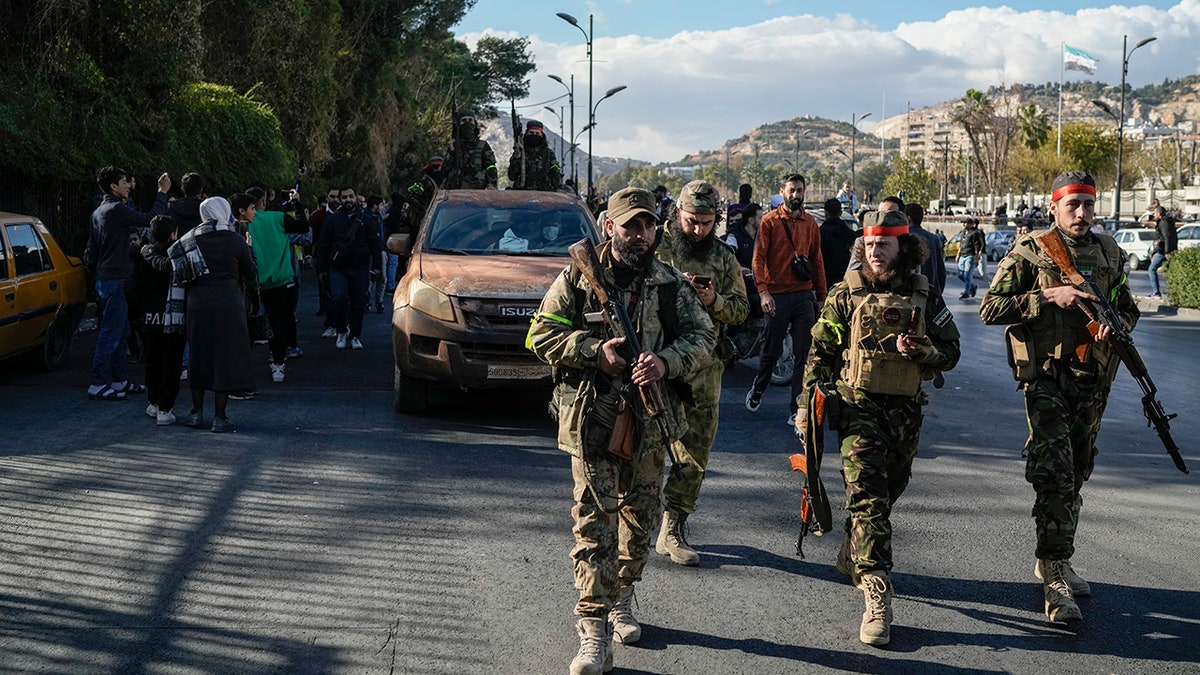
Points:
(595, 647)
(845, 564)
(1060, 604)
(625, 627)
(876, 628)
(1079, 587)
(672, 542)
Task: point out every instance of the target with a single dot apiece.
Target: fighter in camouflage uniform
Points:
(689, 244)
(880, 332)
(470, 163)
(1065, 373)
(542, 171)
(617, 501)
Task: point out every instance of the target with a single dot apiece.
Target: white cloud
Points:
(696, 89)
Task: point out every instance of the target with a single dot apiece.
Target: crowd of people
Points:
(867, 318)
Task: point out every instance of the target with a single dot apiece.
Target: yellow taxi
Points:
(43, 292)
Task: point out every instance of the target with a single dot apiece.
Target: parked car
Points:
(1189, 236)
(480, 263)
(998, 242)
(1138, 244)
(43, 292)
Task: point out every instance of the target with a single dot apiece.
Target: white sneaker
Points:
(792, 420)
(341, 340)
(356, 343)
(276, 372)
(151, 410)
(329, 332)
(183, 374)
(165, 418)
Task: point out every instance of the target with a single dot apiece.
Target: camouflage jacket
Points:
(542, 171)
(731, 305)
(831, 335)
(1015, 298)
(472, 169)
(560, 336)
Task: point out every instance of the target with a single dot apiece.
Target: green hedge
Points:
(1183, 278)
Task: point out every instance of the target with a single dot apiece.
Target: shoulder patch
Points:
(943, 317)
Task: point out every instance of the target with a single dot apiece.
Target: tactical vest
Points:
(872, 363)
(470, 172)
(1056, 332)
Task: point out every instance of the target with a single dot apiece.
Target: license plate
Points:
(535, 372)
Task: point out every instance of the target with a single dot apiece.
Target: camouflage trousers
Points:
(1064, 418)
(611, 548)
(690, 453)
(879, 437)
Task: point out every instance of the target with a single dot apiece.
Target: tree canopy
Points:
(245, 91)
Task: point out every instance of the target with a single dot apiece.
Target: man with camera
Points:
(689, 244)
(789, 272)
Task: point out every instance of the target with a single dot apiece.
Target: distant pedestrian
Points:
(214, 264)
(348, 251)
(934, 266)
(163, 346)
(108, 256)
(1166, 242)
(970, 246)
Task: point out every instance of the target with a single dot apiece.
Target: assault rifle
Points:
(1101, 313)
(518, 141)
(815, 513)
(614, 315)
(456, 170)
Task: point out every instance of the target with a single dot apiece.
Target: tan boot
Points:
(1079, 587)
(595, 647)
(625, 627)
(1060, 604)
(876, 628)
(671, 540)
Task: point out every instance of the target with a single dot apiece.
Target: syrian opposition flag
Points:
(1077, 59)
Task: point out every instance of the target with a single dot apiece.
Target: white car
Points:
(1138, 244)
(1189, 236)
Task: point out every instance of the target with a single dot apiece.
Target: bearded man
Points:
(617, 455)
(881, 332)
(689, 244)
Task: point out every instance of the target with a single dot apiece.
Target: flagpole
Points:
(1062, 60)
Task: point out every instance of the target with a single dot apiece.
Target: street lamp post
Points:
(591, 80)
(1125, 54)
(560, 129)
(571, 103)
(592, 125)
(796, 153)
(854, 120)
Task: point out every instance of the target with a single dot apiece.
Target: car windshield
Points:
(532, 228)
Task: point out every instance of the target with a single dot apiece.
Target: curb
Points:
(1155, 306)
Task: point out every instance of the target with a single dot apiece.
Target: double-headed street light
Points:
(587, 35)
(1125, 54)
(796, 154)
(571, 103)
(854, 120)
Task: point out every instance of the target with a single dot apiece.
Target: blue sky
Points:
(701, 72)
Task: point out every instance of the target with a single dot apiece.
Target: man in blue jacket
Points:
(108, 258)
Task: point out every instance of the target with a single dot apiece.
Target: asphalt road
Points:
(330, 535)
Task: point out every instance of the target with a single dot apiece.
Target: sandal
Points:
(132, 388)
(107, 394)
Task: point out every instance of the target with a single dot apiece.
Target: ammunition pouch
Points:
(1020, 353)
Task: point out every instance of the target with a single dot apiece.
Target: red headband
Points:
(881, 231)
(1074, 188)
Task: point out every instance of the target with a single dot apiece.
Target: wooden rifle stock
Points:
(1102, 313)
(583, 253)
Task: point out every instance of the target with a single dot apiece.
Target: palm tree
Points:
(1033, 125)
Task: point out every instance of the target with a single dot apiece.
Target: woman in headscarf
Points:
(213, 262)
